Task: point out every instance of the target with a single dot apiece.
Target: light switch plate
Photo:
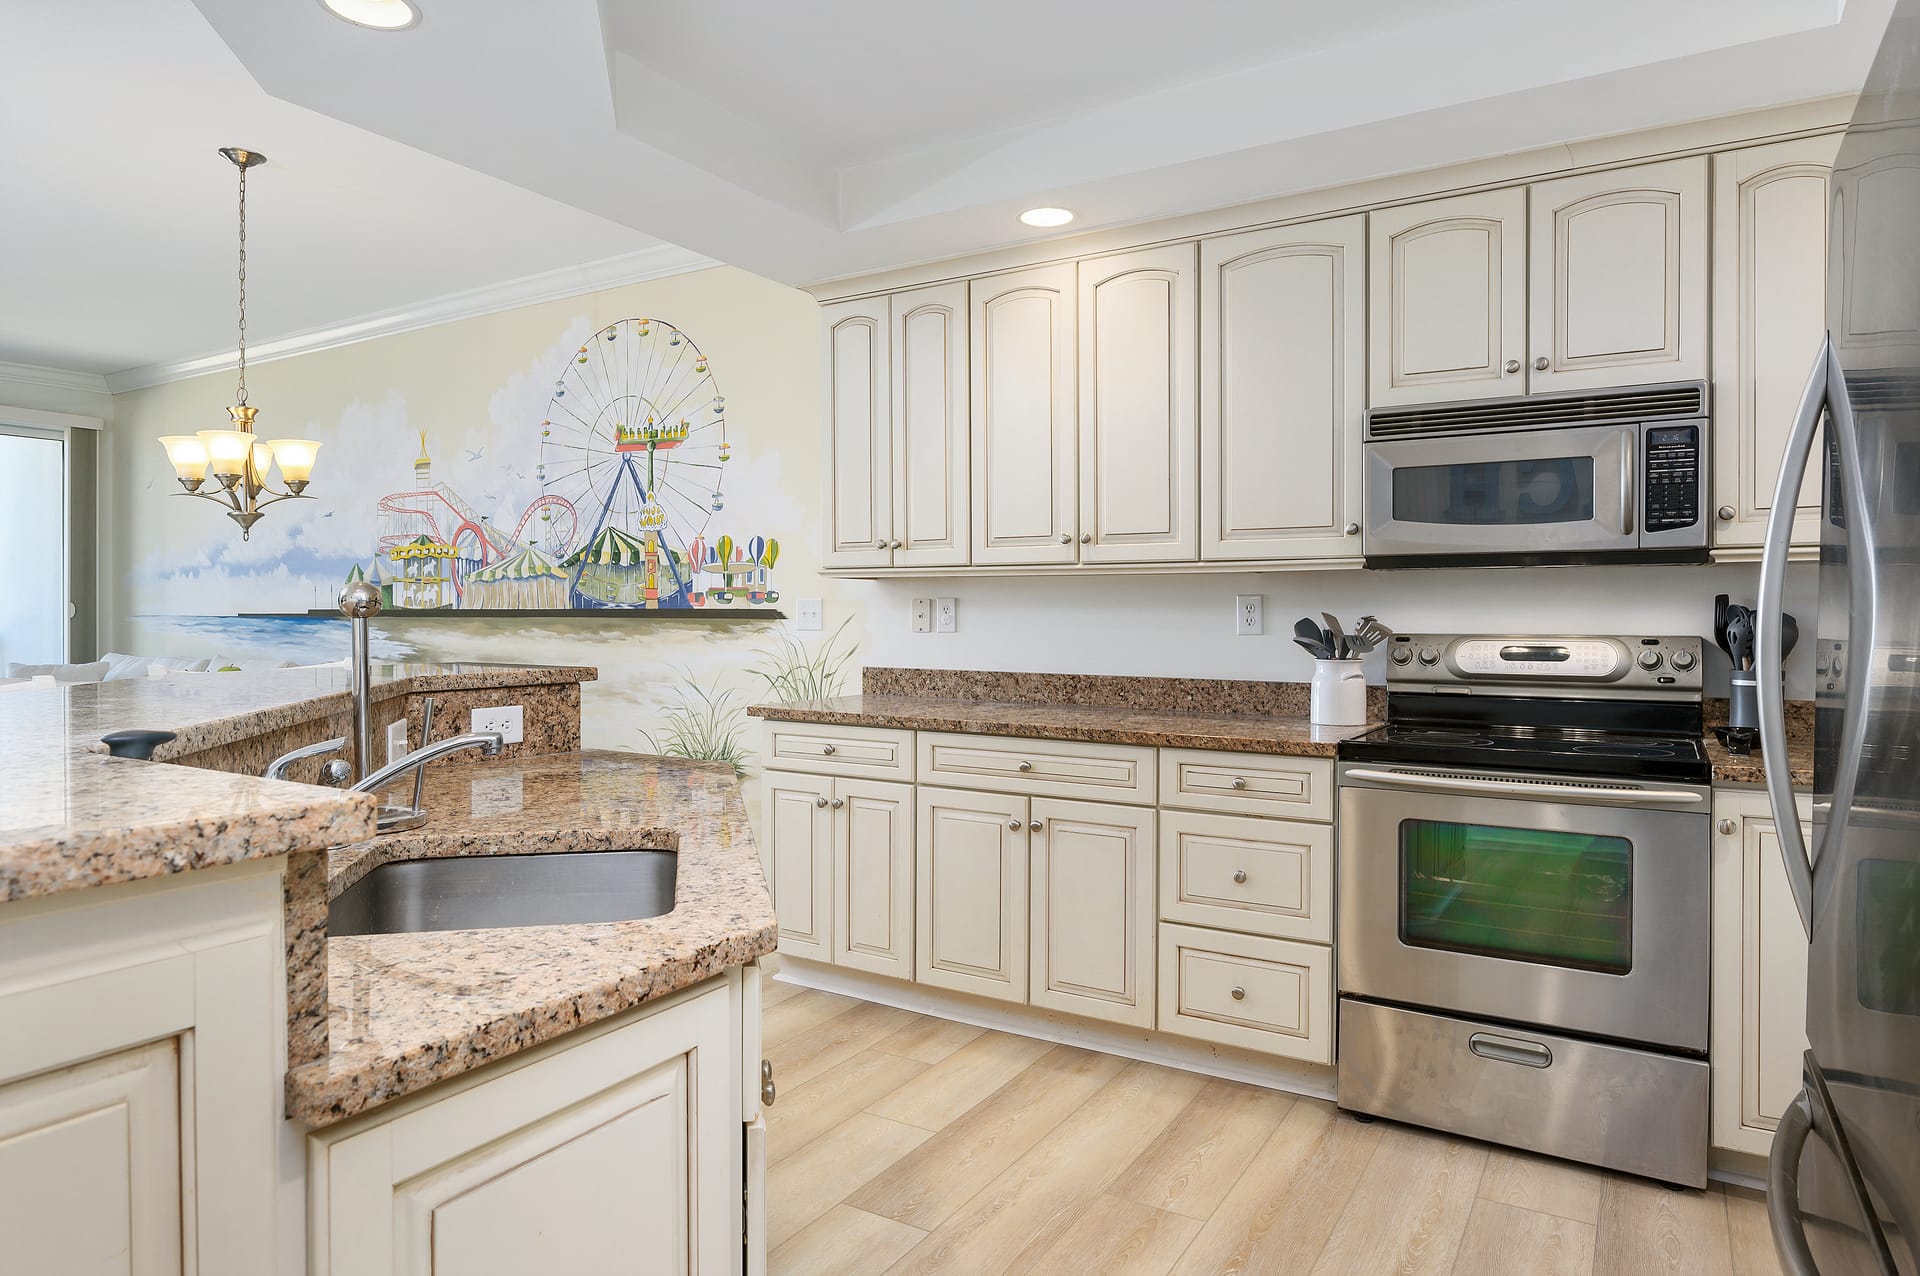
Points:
(923, 615)
(396, 739)
(1247, 618)
(806, 613)
(946, 615)
(504, 719)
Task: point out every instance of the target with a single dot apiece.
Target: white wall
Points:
(1182, 624)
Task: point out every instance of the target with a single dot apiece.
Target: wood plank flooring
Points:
(905, 1143)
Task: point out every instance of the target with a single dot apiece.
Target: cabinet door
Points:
(873, 876)
(1025, 477)
(1872, 308)
(859, 435)
(1282, 391)
(797, 856)
(970, 890)
(1769, 313)
(1093, 910)
(1446, 299)
(1759, 974)
(1137, 444)
(930, 501)
(1617, 272)
(90, 1166)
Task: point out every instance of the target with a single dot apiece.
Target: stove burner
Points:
(1624, 750)
(1464, 739)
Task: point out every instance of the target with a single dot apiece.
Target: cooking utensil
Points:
(1789, 634)
(1314, 647)
(1338, 640)
(1309, 631)
(1720, 611)
(1372, 633)
(1740, 637)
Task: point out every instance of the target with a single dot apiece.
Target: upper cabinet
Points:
(1136, 430)
(1447, 293)
(1026, 480)
(1617, 277)
(1769, 276)
(1282, 391)
(1874, 314)
(896, 411)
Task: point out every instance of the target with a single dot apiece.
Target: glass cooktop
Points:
(1558, 750)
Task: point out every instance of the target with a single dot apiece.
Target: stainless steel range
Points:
(1524, 898)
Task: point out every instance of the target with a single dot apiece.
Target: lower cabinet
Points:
(873, 876)
(1759, 974)
(1092, 909)
(1270, 995)
(796, 853)
(971, 891)
(619, 1153)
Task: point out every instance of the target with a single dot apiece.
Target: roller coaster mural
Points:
(633, 448)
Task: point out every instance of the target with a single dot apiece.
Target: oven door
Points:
(1533, 899)
(1521, 495)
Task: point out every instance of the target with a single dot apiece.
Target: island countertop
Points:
(407, 1010)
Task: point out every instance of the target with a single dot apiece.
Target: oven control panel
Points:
(1557, 665)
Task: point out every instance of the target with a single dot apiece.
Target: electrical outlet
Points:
(396, 739)
(923, 615)
(504, 720)
(945, 615)
(806, 614)
(1247, 618)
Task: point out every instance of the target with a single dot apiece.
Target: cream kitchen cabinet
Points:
(1617, 277)
(1759, 974)
(971, 891)
(1447, 299)
(1875, 318)
(873, 876)
(1137, 446)
(896, 412)
(1283, 391)
(616, 1149)
(1769, 314)
(1024, 435)
(1092, 927)
(796, 854)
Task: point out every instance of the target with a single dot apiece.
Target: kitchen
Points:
(1065, 866)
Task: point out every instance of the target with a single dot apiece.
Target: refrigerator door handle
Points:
(1783, 1189)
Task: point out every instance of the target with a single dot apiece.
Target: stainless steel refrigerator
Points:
(1844, 1175)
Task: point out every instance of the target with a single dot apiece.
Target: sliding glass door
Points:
(33, 546)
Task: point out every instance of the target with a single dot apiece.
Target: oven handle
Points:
(1413, 779)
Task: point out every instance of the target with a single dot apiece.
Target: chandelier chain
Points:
(243, 287)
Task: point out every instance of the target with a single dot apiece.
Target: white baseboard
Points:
(1312, 1080)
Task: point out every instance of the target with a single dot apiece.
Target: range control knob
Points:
(1650, 658)
(1683, 660)
(1401, 654)
(1429, 655)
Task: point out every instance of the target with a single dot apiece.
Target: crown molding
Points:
(53, 378)
(553, 285)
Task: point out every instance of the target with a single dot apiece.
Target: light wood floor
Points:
(905, 1143)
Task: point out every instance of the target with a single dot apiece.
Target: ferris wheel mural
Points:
(634, 441)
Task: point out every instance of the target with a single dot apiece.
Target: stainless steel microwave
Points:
(1609, 477)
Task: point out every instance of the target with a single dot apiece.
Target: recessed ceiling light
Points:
(1047, 216)
(381, 15)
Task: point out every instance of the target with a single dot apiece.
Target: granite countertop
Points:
(1098, 724)
(1734, 768)
(71, 817)
(407, 1010)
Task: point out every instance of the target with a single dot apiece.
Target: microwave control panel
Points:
(1672, 472)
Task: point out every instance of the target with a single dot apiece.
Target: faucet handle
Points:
(277, 769)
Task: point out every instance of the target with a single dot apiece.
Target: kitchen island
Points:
(189, 1028)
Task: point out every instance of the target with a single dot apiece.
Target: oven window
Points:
(1556, 899)
(1495, 493)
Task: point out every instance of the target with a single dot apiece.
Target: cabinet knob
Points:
(1086, 538)
(881, 543)
(766, 1082)
(1513, 365)
(1024, 766)
(1035, 826)
(1239, 876)
(1066, 538)
(1727, 828)
(1726, 513)
(1014, 825)
(894, 545)
(838, 803)
(819, 801)
(767, 1093)
(826, 750)
(1239, 994)
(1239, 781)
(1353, 529)
(1540, 364)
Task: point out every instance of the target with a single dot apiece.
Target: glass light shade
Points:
(262, 460)
(1047, 217)
(295, 457)
(227, 450)
(381, 15)
(187, 453)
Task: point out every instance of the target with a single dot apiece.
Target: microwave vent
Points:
(1671, 402)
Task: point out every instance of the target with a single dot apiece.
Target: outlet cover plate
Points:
(923, 615)
(806, 613)
(505, 719)
(946, 615)
(1248, 617)
(396, 739)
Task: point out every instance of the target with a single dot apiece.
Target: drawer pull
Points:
(1014, 825)
(1528, 1054)
(826, 750)
(1239, 993)
(1239, 877)
(1024, 766)
(820, 801)
(1239, 781)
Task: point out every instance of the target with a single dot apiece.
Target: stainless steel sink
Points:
(484, 891)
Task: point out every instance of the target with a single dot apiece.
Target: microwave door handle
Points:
(1629, 457)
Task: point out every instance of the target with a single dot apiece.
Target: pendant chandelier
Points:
(236, 458)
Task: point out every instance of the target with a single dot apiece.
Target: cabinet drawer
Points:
(1048, 768)
(1247, 783)
(1271, 995)
(1271, 877)
(873, 752)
